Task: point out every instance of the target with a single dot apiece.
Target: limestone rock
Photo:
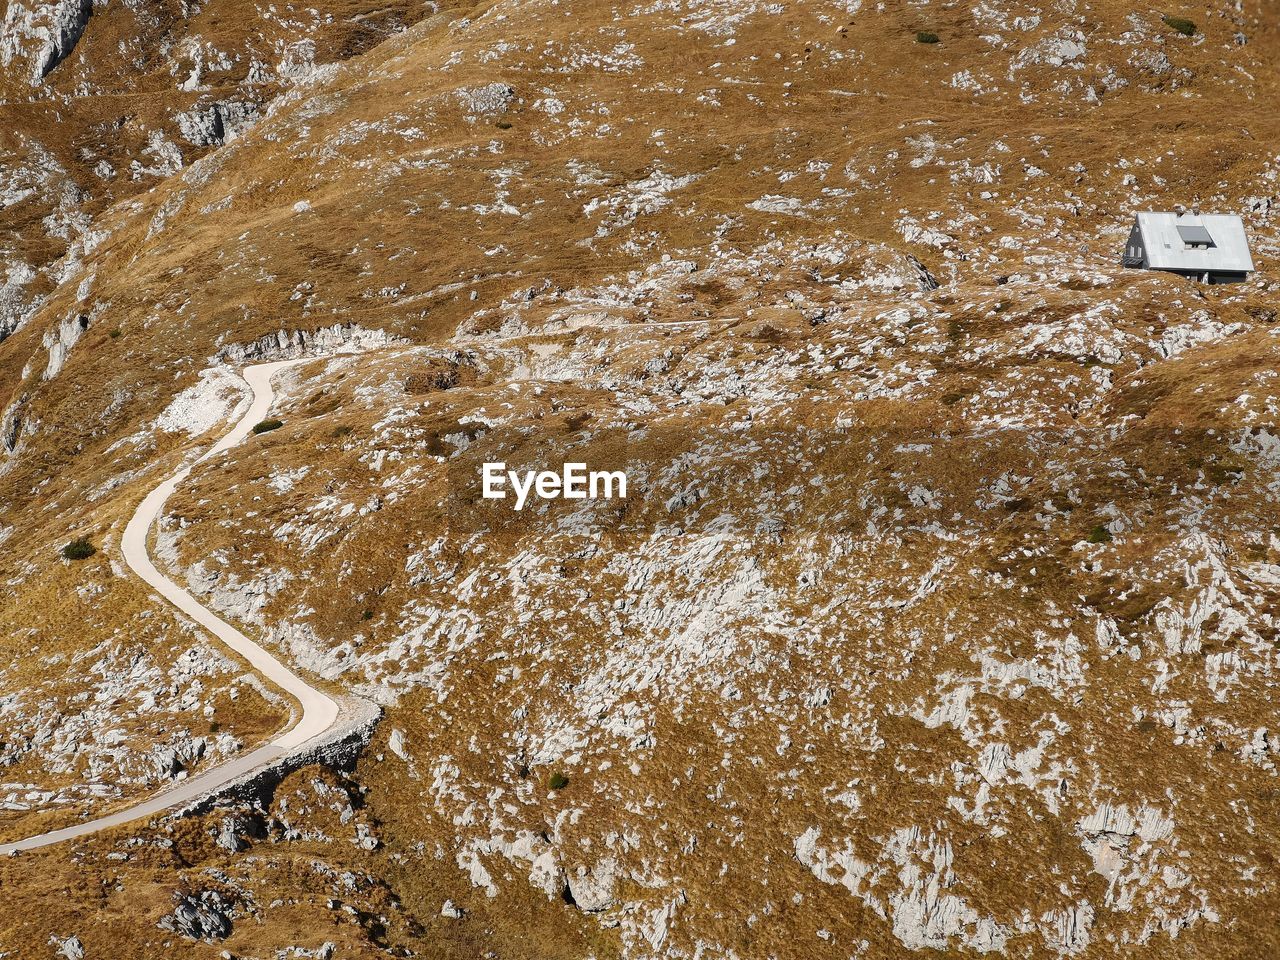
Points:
(592, 888)
(547, 875)
(42, 34)
(206, 915)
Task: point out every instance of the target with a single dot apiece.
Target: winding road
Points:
(320, 714)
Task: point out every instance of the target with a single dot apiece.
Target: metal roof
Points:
(1165, 241)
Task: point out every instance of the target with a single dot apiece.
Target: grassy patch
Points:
(1223, 472)
(267, 425)
(114, 334)
(79, 549)
(557, 781)
(1099, 534)
(925, 36)
(1184, 26)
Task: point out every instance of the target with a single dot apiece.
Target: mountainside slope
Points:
(940, 614)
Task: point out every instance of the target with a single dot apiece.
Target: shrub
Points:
(79, 549)
(557, 781)
(267, 425)
(1184, 26)
(115, 334)
(1099, 534)
(342, 430)
(503, 124)
(367, 615)
(924, 36)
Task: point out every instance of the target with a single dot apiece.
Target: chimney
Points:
(1195, 209)
(1179, 209)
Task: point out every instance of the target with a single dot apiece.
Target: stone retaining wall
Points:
(339, 748)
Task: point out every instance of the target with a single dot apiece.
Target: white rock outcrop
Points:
(592, 888)
(217, 123)
(39, 36)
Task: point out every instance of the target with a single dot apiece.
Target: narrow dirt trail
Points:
(319, 712)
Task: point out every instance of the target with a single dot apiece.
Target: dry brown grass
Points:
(201, 283)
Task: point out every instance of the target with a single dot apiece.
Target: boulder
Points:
(547, 875)
(203, 916)
(592, 888)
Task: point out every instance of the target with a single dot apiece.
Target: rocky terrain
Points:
(939, 619)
